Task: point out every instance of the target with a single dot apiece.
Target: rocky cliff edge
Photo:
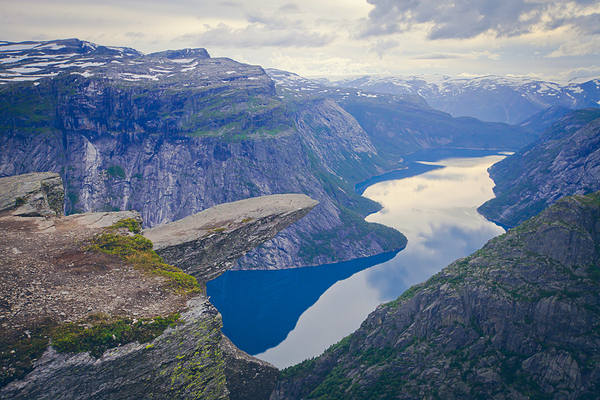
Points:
(89, 309)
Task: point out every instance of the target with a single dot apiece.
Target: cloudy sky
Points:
(551, 39)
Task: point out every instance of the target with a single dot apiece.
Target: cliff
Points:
(517, 319)
(91, 310)
(172, 133)
(564, 161)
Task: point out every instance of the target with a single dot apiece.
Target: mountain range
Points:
(488, 98)
(134, 141)
(174, 132)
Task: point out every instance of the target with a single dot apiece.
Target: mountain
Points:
(488, 98)
(541, 121)
(517, 319)
(91, 308)
(565, 160)
(401, 124)
(169, 134)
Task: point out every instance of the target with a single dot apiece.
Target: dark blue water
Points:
(260, 308)
(286, 316)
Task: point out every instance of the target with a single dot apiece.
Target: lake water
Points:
(286, 316)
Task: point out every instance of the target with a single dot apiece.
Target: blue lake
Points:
(286, 316)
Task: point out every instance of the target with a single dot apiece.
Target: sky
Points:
(549, 39)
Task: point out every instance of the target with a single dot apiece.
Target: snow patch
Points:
(85, 74)
(182, 60)
(14, 47)
(51, 46)
(24, 70)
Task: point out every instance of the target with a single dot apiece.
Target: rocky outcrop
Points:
(517, 319)
(32, 195)
(88, 310)
(207, 243)
(564, 161)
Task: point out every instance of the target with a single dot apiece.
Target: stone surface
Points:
(38, 194)
(51, 278)
(517, 319)
(206, 244)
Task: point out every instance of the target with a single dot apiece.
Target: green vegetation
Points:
(200, 373)
(94, 334)
(116, 171)
(18, 351)
(98, 333)
(131, 224)
(137, 251)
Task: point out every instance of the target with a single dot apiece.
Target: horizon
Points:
(546, 40)
(333, 77)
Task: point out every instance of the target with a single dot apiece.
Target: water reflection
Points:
(260, 308)
(437, 213)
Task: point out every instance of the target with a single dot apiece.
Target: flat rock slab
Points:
(206, 244)
(37, 194)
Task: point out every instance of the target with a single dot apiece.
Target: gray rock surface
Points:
(517, 319)
(52, 279)
(36, 194)
(207, 243)
(564, 161)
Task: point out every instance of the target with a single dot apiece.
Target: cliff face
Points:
(565, 160)
(171, 134)
(401, 123)
(517, 319)
(90, 310)
(208, 243)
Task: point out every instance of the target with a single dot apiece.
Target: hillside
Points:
(517, 319)
(565, 160)
(399, 124)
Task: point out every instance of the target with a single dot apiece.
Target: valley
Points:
(284, 317)
(238, 232)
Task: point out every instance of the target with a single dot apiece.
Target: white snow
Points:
(47, 63)
(182, 60)
(12, 59)
(136, 77)
(14, 47)
(576, 89)
(230, 72)
(24, 70)
(89, 64)
(51, 46)
(252, 78)
(85, 74)
(160, 70)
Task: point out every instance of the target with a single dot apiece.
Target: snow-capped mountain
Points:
(292, 85)
(32, 61)
(489, 98)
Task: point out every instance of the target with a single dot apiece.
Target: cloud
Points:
(462, 19)
(258, 34)
(436, 57)
(289, 8)
(381, 47)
